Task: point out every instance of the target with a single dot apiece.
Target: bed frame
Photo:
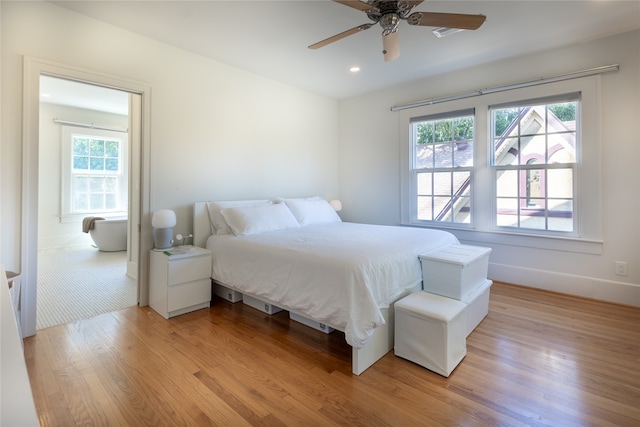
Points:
(361, 358)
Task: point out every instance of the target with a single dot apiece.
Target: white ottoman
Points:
(430, 330)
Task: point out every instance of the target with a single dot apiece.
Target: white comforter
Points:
(340, 274)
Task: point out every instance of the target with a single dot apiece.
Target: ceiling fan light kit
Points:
(389, 14)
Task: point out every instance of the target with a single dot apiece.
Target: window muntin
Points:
(535, 164)
(442, 167)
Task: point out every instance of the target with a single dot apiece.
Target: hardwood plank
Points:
(538, 359)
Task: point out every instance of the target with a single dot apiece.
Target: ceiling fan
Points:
(390, 13)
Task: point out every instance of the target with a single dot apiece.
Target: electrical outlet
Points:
(621, 268)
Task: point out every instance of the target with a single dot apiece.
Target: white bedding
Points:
(340, 274)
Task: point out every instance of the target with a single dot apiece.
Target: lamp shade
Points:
(336, 205)
(164, 218)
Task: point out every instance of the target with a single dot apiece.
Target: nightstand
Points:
(180, 280)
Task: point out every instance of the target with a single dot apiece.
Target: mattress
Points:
(341, 274)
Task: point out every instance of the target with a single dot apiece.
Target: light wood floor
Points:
(538, 359)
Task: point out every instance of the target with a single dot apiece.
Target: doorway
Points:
(84, 173)
(139, 241)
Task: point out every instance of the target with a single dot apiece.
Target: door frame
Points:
(33, 68)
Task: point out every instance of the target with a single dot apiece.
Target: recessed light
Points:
(354, 69)
(44, 95)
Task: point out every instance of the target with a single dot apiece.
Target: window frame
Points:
(587, 236)
(67, 215)
(529, 166)
(415, 171)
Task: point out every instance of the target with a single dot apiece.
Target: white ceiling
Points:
(270, 38)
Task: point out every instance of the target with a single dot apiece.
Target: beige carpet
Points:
(75, 284)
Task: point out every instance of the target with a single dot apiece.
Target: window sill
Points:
(554, 243)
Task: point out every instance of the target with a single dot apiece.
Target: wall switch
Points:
(621, 268)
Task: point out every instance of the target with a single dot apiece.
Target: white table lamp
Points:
(163, 222)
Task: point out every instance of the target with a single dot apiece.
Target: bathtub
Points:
(110, 235)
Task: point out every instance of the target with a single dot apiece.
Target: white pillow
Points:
(218, 223)
(284, 199)
(312, 211)
(247, 220)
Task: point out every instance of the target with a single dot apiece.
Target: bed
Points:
(298, 255)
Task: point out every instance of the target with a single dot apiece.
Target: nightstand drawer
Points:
(188, 294)
(189, 269)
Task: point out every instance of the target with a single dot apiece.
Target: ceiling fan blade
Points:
(390, 46)
(449, 20)
(357, 4)
(340, 36)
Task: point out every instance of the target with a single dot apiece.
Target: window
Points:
(442, 166)
(94, 166)
(532, 175)
(534, 163)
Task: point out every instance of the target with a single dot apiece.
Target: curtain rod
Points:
(543, 80)
(91, 125)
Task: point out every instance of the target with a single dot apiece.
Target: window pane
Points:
(112, 149)
(81, 183)
(80, 163)
(565, 112)
(424, 133)
(442, 208)
(532, 148)
(442, 183)
(96, 164)
(507, 212)
(112, 165)
(533, 184)
(80, 202)
(110, 184)
(80, 146)
(534, 220)
(532, 120)
(562, 148)
(111, 202)
(424, 209)
(507, 151)
(96, 184)
(444, 155)
(424, 156)
(504, 121)
(561, 215)
(443, 131)
(462, 183)
(463, 153)
(424, 183)
(507, 185)
(560, 183)
(96, 148)
(96, 202)
(463, 210)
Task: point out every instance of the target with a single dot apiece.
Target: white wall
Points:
(217, 132)
(370, 165)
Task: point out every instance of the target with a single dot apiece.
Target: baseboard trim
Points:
(587, 287)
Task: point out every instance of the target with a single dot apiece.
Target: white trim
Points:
(33, 68)
(570, 284)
